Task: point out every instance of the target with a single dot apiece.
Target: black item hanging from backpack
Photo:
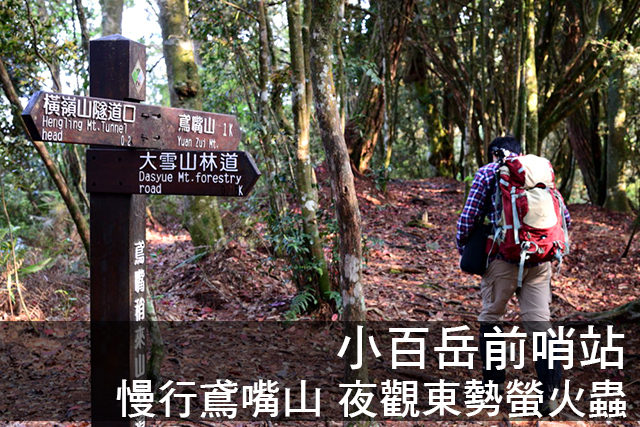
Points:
(474, 255)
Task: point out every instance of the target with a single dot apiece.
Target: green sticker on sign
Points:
(138, 75)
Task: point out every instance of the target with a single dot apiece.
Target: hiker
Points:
(530, 281)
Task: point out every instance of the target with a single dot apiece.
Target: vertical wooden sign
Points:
(117, 68)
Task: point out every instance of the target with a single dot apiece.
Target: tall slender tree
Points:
(324, 13)
(202, 216)
(277, 202)
(531, 140)
(468, 129)
(307, 192)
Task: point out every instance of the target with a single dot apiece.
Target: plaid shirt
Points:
(480, 201)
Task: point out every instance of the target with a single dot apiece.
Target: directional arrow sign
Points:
(218, 173)
(82, 120)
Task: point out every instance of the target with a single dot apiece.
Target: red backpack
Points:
(532, 228)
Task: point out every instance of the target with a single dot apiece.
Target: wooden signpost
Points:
(179, 152)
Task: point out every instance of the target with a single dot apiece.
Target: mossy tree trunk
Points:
(307, 192)
(202, 216)
(438, 137)
(111, 16)
(616, 196)
(616, 151)
(324, 13)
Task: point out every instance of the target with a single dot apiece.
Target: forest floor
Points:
(411, 274)
(411, 270)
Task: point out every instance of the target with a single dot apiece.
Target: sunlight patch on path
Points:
(155, 237)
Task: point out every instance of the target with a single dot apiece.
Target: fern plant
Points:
(336, 297)
(300, 304)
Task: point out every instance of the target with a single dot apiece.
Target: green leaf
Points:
(192, 259)
(34, 268)
(373, 75)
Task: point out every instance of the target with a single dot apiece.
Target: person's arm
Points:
(473, 208)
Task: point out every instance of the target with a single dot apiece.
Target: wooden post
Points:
(118, 247)
(117, 226)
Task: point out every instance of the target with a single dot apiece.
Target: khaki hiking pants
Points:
(500, 282)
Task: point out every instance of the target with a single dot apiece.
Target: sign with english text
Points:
(54, 117)
(215, 173)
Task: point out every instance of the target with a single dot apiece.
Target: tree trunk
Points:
(72, 150)
(484, 64)
(84, 29)
(531, 81)
(277, 202)
(582, 67)
(582, 127)
(202, 216)
(363, 127)
(565, 167)
(278, 78)
(111, 16)
(520, 101)
(438, 135)
(76, 171)
(616, 198)
(306, 42)
(307, 194)
(582, 123)
(390, 132)
(342, 89)
(519, 116)
(469, 125)
(616, 150)
(324, 14)
(448, 126)
(52, 169)
(182, 71)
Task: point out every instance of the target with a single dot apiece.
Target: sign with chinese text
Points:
(215, 173)
(54, 117)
